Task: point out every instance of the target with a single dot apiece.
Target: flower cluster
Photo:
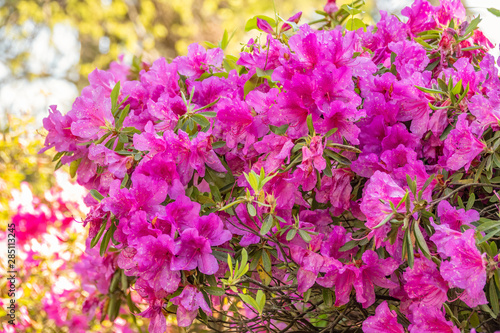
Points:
(321, 169)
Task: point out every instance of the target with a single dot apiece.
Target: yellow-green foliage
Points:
(20, 161)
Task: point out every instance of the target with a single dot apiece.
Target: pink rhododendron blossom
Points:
(381, 187)
(455, 218)
(430, 320)
(384, 321)
(188, 302)
(461, 146)
(199, 60)
(466, 268)
(424, 284)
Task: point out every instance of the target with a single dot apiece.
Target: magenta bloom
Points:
(466, 268)
(411, 57)
(188, 302)
(193, 249)
(424, 283)
(91, 113)
(430, 320)
(154, 257)
(486, 110)
(117, 164)
(461, 146)
(158, 322)
(276, 150)
(455, 218)
(381, 187)
(59, 128)
(311, 264)
(384, 321)
(145, 194)
(362, 277)
(336, 190)
(199, 61)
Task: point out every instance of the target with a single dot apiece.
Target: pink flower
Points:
(90, 114)
(466, 268)
(455, 218)
(424, 283)
(381, 187)
(188, 302)
(461, 146)
(430, 320)
(384, 321)
(199, 61)
(363, 277)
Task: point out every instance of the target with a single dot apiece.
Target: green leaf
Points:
(445, 133)
(218, 144)
(470, 202)
(494, 11)
(266, 261)
(251, 209)
(124, 181)
(327, 297)
(337, 157)
(354, 24)
(230, 264)
(310, 124)
(123, 114)
(244, 257)
(409, 248)
(473, 25)
(348, 246)
(412, 184)
(291, 234)
(267, 225)
(419, 238)
(106, 239)
(387, 219)
(114, 97)
(495, 304)
(225, 40)
(96, 195)
(351, 10)
(198, 118)
(305, 235)
(216, 291)
(249, 86)
(208, 114)
(249, 300)
(430, 91)
(279, 130)
(73, 167)
(331, 132)
(457, 88)
(58, 156)
(97, 237)
(261, 300)
(490, 234)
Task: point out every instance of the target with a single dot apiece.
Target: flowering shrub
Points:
(326, 180)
